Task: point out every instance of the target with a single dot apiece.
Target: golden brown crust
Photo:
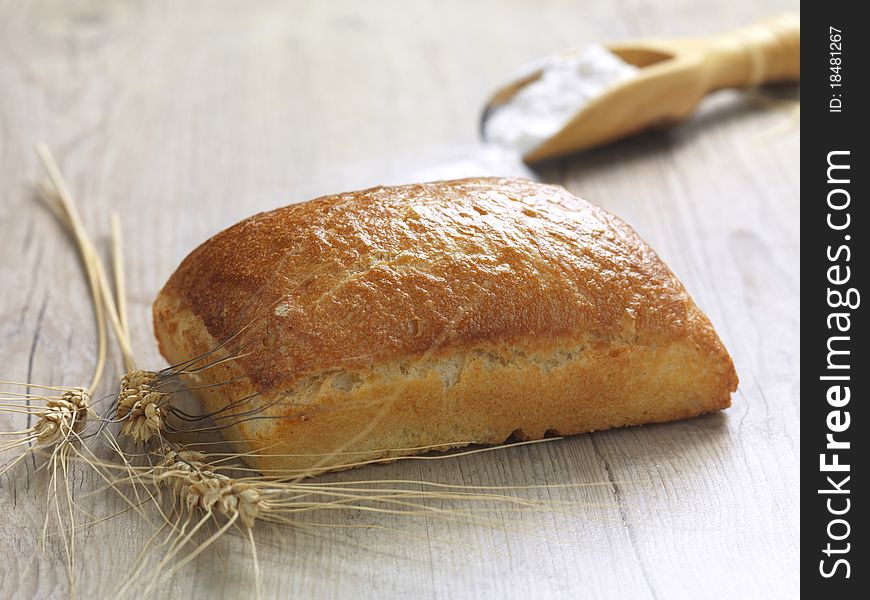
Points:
(348, 293)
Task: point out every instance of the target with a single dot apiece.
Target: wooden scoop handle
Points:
(766, 52)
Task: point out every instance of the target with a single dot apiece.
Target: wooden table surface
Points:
(187, 117)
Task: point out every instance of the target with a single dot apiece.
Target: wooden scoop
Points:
(674, 75)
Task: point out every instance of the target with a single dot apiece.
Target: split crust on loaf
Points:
(437, 314)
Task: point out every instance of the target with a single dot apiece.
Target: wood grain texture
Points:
(190, 116)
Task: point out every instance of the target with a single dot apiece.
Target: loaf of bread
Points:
(378, 323)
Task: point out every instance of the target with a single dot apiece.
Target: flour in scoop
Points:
(543, 107)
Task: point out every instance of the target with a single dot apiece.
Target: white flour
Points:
(535, 113)
(455, 162)
(542, 108)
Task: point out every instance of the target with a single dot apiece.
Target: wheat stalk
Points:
(201, 486)
(141, 406)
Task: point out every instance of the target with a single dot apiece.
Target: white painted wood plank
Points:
(188, 117)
